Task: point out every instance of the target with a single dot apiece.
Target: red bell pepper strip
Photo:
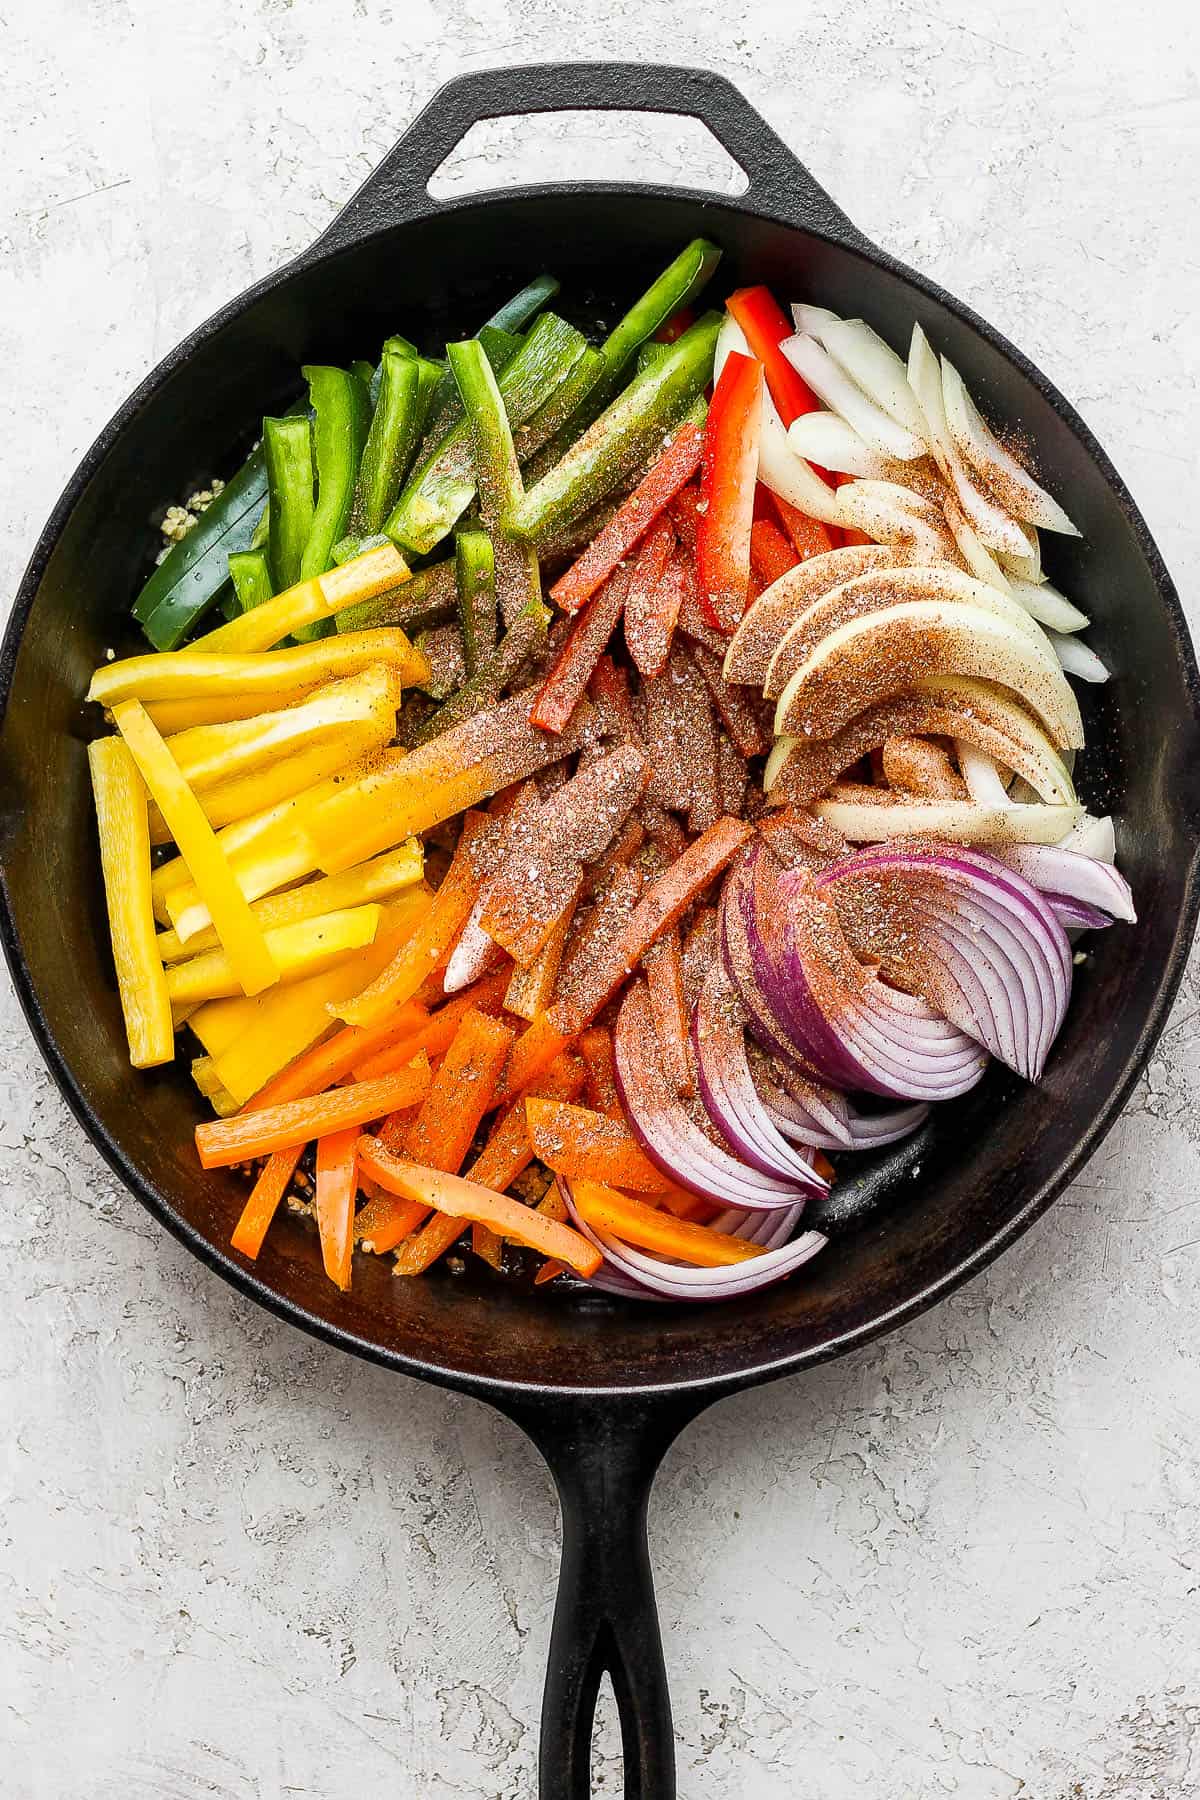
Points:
(632, 519)
(676, 325)
(765, 325)
(727, 491)
(582, 649)
(652, 603)
(771, 554)
(809, 536)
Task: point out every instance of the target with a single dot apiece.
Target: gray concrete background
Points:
(961, 1563)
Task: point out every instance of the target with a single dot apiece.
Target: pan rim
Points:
(494, 1388)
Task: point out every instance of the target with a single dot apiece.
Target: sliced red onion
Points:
(805, 1111)
(1073, 915)
(627, 1270)
(871, 1131)
(1069, 875)
(727, 1087)
(670, 1136)
(736, 952)
(994, 935)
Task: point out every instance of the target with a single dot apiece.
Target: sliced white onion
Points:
(824, 438)
(1029, 566)
(896, 515)
(996, 528)
(1076, 658)
(473, 955)
(981, 775)
(829, 380)
(1092, 837)
(1047, 605)
(813, 319)
(1008, 479)
(958, 821)
(876, 368)
(972, 549)
(779, 468)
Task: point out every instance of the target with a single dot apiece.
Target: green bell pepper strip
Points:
(497, 477)
(250, 573)
(500, 671)
(339, 402)
(389, 443)
(537, 433)
(516, 313)
(500, 347)
(191, 577)
(475, 570)
(428, 598)
(622, 437)
(649, 355)
(347, 548)
(442, 486)
(287, 446)
(364, 370)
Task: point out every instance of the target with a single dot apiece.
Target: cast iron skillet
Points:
(601, 1387)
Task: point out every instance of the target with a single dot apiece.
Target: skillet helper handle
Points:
(604, 1457)
(779, 185)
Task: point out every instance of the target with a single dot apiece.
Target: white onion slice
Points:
(779, 468)
(474, 954)
(824, 438)
(997, 530)
(1076, 658)
(1029, 566)
(958, 821)
(813, 319)
(1012, 484)
(830, 381)
(877, 370)
(1047, 605)
(972, 549)
(1093, 837)
(892, 514)
(982, 776)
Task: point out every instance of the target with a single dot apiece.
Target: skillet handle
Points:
(779, 185)
(604, 1456)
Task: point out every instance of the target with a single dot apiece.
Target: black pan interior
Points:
(906, 1227)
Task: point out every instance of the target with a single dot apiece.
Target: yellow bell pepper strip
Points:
(410, 794)
(121, 814)
(334, 1057)
(172, 716)
(263, 1204)
(309, 602)
(661, 1233)
(195, 674)
(337, 1185)
(208, 754)
(283, 778)
(379, 879)
(222, 1142)
(206, 1078)
(296, 950)
(287, 451)
(429, 945)
(240, 934)
(254, 1041)
(462, 1199)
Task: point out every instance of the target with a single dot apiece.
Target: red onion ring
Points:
(1066, 875)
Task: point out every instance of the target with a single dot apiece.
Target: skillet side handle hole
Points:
(577, 145)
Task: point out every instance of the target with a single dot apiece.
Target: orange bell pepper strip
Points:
(576, 1142)
(771, 553)
(507, 1153)
(435, 1033)
(661, 906)
(632, 519)
(223, 1142)
(810, 537)
(653, 601)
(429, 945)
(571, 670)
(351, 1048)
(440, 1135)
(727, 488)
(600, 1079)
(460, 1093)
(462, 1199)
(765, 325)
(609, 688)
(663, 963)
(337, 1185)
(263, 1204)
(621, 1216)
(742, 723)
(534, 1051)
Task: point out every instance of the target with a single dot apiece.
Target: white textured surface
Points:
(961, 1563)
